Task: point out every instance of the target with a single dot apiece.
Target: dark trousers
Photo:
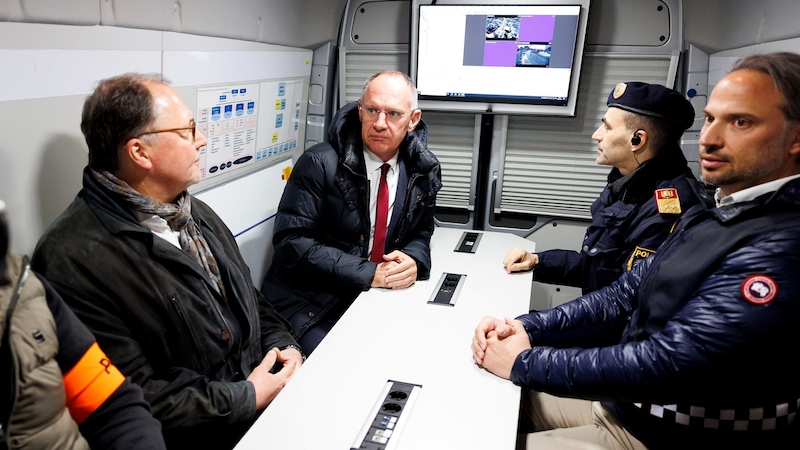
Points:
(311, 338)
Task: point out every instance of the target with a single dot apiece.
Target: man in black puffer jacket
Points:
(324, 230)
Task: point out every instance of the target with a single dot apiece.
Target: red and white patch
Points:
(759, 289)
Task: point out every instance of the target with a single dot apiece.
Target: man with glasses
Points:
(375, 168)
(158, 277)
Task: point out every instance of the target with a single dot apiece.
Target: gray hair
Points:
(413, 98)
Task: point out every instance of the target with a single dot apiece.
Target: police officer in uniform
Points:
(648, 189)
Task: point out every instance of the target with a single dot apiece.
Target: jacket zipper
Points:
(221, 316)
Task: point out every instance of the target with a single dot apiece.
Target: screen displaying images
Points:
(481, 57)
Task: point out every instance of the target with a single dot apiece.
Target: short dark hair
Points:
(784, 69)
(119, 109)
(661, 133)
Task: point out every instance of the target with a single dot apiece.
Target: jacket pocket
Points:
(182, 343)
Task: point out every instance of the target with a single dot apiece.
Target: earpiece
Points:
(636, 139)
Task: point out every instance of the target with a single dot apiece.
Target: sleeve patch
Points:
(638, 255)
(759, 289)
(667, 201)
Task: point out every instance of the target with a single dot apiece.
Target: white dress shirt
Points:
(751, 192)
(159, 227)
(374, 164)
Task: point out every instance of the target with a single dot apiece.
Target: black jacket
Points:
(153, 311)
(322, 227)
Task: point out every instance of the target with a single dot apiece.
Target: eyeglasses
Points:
(372, 113)
(191, 137)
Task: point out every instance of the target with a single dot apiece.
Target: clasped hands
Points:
(497, 343)
(397, 271)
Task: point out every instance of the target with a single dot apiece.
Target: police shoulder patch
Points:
(638, 255)
(667, 201)
(759, 289)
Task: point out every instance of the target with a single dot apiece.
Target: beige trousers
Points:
(558, 423)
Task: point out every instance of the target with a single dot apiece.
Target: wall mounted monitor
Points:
(504, 59)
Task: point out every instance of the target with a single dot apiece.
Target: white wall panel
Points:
(305, 23)
(49, 70)
(75, 12)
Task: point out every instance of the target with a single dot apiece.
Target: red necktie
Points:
(381, 215)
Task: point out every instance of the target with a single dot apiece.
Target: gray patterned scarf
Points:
(177, 214)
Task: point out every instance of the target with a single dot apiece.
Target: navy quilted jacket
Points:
(709, 322)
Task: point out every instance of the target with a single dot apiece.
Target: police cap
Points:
(653, 100)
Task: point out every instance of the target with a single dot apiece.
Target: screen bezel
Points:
(503, 104)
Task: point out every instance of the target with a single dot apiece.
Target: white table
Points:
(397, 335)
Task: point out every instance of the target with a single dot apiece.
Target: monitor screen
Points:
(520, 59)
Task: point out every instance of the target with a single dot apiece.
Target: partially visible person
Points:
(156, 274)
(328, 248)
(707, 326)
(57, 387)
(648, 189)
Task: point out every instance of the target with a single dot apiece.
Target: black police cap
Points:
(653, 100)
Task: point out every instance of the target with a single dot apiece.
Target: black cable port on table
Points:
(386, 423)
(468, 242)
(448, 288)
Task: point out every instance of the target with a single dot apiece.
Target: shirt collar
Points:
(751, 192)
(374, 163)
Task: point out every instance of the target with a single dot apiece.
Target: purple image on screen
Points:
(500, 53)
(536, 28)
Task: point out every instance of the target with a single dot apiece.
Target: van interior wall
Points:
(718, 25)
(714, 25)
(306, 23)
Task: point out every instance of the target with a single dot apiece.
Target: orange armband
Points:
(90, 382)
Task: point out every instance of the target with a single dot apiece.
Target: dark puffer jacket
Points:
(707, 329)
(322, 228)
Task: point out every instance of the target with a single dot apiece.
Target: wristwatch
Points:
(292, 346)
